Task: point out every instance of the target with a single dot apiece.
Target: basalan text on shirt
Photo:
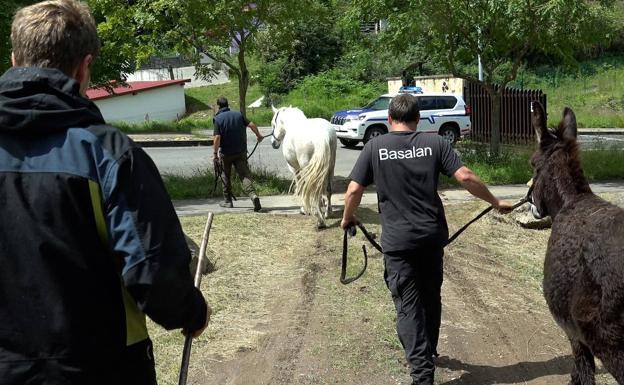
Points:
(414, 152)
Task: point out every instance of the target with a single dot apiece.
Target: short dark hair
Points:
(404, 108)
(222, 102)
(55, 34)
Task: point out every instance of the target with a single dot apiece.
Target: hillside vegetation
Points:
(594, 89)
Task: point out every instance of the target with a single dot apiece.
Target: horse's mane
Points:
(293, 111)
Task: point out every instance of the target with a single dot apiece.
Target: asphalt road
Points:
(188, 160)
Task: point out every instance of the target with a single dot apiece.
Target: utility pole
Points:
(480, 69)
(479, 55)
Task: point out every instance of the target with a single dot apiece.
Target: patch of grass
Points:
(204, 99)
(320, 96)
(594, 90)
(201, 184)
(183, 126)
(208, 95)
(602, 162)
(250, 265)
(511, 166)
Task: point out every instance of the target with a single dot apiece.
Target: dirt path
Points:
(312, 330)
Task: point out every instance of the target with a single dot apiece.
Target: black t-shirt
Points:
(405, 167)
(232, 126)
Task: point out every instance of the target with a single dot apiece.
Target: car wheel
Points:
(349, 142)
(373, 132)
(449, 133)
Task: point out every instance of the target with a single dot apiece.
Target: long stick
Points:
(186, 353)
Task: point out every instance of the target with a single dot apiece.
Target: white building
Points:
(141, 101)
(170, 68)
(178, 73)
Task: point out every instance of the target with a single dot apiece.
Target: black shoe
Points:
(256, 203)
(226, 204)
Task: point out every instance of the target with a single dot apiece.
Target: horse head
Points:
(281, 118)
(557, 173)
(277, 124)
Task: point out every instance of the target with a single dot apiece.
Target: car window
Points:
(427, 102)
(378, 104)
(446, 102)
(436, 102)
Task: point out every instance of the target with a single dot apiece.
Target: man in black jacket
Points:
(89, 240)
(405, 166)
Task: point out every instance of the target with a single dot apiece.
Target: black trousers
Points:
(239, 161)
(138, 366)
(414, 277)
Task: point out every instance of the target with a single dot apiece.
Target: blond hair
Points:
(54, 34)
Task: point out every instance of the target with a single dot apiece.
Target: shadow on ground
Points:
(518, 373)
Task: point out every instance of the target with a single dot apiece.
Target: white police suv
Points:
(445, 114)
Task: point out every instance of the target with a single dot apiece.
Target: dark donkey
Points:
(584, 265)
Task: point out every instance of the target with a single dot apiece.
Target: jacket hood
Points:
(42, 100)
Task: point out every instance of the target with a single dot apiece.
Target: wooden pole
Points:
(188, 341)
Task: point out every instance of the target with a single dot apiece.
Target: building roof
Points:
(130, 88)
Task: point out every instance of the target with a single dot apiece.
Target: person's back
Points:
(89, 240)
(405, 168)
(57, 279)
(232, 126)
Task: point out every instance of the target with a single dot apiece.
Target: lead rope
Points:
(273, 123)
(257, 143)
(351, 231)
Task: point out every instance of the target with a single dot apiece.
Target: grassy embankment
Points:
(594, 90)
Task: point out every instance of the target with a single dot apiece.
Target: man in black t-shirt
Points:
(230, 144)
(405, 166)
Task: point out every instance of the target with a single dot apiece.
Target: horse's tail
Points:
(311, 181)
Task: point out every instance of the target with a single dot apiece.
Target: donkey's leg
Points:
(613, 360)
(584, 369)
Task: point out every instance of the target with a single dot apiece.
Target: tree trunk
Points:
(495, 117)
(243, 80)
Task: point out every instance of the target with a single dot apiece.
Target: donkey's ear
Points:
(567, 128)
(538, 120)
(274, 109)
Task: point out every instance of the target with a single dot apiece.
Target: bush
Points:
(321, 95)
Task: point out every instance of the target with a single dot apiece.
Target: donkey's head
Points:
(557, 173)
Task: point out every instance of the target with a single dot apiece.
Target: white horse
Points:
(309, 147)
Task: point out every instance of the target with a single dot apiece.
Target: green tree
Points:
(7, 10)
(121, 46)
(306, 48)
(222, 30)
(501, 32)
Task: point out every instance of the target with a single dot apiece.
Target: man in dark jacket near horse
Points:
(230, 149)
(89, 240)
(405, 165)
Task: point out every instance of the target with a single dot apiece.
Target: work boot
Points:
(256, 203)
(227, 204)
